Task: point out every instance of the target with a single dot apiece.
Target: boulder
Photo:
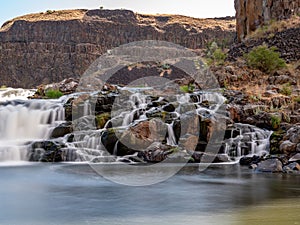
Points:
(62, 130)
(287, 147)
(46, 151)
(273, 165)
(291, 168)
(248, 161)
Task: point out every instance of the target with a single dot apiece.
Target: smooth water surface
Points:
(39, 194)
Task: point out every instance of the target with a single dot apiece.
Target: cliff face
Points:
(48, 47)
(251, 14)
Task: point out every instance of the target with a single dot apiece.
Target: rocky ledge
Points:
(51, 46)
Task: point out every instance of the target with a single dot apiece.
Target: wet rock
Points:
(295, 158)
(46, 151)
(270, 166)
(169, 108)
(156, 152)
(85, 123)
(109, 139)
(62, 130)
(291, 168)
(214, 158)
(104, 159)
(248, 161)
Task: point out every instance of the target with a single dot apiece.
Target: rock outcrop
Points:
(49, 47)
(287, 43)
(251, 14)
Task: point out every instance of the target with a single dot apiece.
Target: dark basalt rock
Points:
(62, 130)
(273, 165)
(46, 151)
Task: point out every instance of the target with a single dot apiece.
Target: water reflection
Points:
(75, 194)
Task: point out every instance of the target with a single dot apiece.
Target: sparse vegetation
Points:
(187, 88)
(50, 11)
(214, 54)
(274, 26)
(297, 99)
(286, 89)
(101, 120)
(275, 121)
(265, 59)
(53, 94)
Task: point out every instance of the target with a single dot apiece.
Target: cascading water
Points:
(247, 140)
(171, 140)
(25, 121)
(7, 94)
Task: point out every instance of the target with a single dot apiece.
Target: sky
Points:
(195, 8)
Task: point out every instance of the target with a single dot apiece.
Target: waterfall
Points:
(247, 140)
(171, 140)
(23, 122)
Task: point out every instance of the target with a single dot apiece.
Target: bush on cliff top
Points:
(265, 59)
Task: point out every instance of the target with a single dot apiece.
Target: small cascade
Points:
(115, 152)
(171, 139)
(87, 108)
(8, 94)
(23, 122)
(246, 139)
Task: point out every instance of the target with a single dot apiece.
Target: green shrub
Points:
(187, 88)
(101, 120)
(50, 11)
(214, 54)
(53, 94)
(297, 99)
(265, 59)
(275, 121)
(286, 89)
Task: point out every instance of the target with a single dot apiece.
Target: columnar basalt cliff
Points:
(251, 14)
(51, 46)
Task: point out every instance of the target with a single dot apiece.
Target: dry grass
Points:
(189, 22)
(268, 31)
(49, 15)
(158, 20)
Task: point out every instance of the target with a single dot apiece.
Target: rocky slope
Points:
(48, 47)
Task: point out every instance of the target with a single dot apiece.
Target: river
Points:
(69, 194)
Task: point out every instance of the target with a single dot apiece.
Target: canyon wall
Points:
(48, 47)
(251, 14)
